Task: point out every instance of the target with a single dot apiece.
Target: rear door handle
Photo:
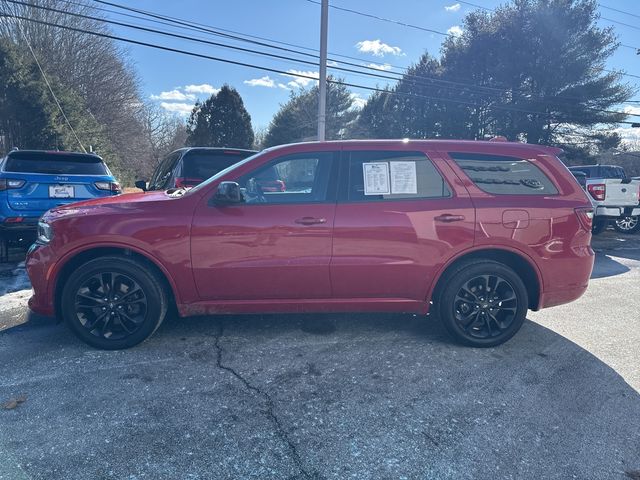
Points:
(447, 217)
(311, 221)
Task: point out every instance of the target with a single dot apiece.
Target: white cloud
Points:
(358, 101)
(331, 63)
(179, 108)
(377, 66)
(378, 48)
(202, 88)
(456, 31)
(452, 8)
(301, 81)
(261, 82)
(173, 95)
(283, 86)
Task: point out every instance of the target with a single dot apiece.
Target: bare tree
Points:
(95, 68)
(163, 133)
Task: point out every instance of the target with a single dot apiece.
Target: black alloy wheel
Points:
(114, 302)
(482, 303)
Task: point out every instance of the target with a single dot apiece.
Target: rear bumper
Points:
(615, 212)
(560, 297)
(570, 278)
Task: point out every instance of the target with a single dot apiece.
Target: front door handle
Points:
(311, 221)
(447, 217)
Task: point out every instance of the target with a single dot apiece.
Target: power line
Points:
(282, 72)
(46, 81)
(383, 19)
(619, 11)
(437, 32)
(282, 57)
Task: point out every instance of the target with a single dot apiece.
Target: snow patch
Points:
(15, 300)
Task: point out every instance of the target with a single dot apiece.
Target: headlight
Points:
(45, 232)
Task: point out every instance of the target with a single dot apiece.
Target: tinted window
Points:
(200, 165)
(504, 175)
(162, 174)
(55, 164)
(385, 175)
(294, 178)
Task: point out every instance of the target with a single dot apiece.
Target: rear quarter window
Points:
(55, 164)
(502, 175)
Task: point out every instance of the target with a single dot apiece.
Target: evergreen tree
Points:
(297, 120)
(220, 121)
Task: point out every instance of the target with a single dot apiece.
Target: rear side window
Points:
(504, 175)
(200, 165)
(387, 175)
(55, 164)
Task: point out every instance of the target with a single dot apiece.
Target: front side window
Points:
(503, 175)
(163, 172)
(387, 175)
(297, 178)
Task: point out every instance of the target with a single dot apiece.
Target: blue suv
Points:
(34, 181)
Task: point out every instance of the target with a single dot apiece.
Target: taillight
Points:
(183, 182)
(585, 215)
(9, 183)
(597, 190)
(110, 186)
(14, 220)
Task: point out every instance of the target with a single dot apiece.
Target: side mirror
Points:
(141, 184)
(228, 193)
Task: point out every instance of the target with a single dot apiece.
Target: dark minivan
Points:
(187, 167)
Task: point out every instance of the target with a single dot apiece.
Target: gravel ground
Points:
(335, 396)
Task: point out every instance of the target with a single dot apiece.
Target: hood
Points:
(125, 201)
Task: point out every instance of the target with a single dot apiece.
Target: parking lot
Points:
(337, 396)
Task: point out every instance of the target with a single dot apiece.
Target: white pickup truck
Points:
(614, 196)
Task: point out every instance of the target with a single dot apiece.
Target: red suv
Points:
(477, 232)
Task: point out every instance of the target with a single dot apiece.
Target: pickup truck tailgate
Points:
(619, 193)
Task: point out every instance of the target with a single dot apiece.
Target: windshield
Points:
(221, 173)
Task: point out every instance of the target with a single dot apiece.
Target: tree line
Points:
(532, 70)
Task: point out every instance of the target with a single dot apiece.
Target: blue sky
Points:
(175, 81)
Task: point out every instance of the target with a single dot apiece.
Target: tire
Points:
(599, 225)
(494, 321)
(114, 302)
(627, 225)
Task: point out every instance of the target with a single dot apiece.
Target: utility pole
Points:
(322, 97)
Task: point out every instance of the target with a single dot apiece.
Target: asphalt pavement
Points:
(332, 396)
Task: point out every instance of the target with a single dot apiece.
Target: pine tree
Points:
(220, 121)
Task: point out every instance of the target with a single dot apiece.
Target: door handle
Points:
(310, 220)
(447, 217)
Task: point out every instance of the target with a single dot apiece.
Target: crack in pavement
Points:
(269, 412)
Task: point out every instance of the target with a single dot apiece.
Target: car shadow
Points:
(322, 396)
(605, 266)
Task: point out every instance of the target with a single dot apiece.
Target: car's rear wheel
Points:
(114, 302)
(483, 303)
(627, 224)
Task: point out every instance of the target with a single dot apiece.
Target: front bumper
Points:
(616, 212)
(38, 265)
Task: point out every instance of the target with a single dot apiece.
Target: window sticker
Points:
(404, 178)
(376, 178)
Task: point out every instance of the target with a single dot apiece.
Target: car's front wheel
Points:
(114, 302)
(627, 224)
(483, 303)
